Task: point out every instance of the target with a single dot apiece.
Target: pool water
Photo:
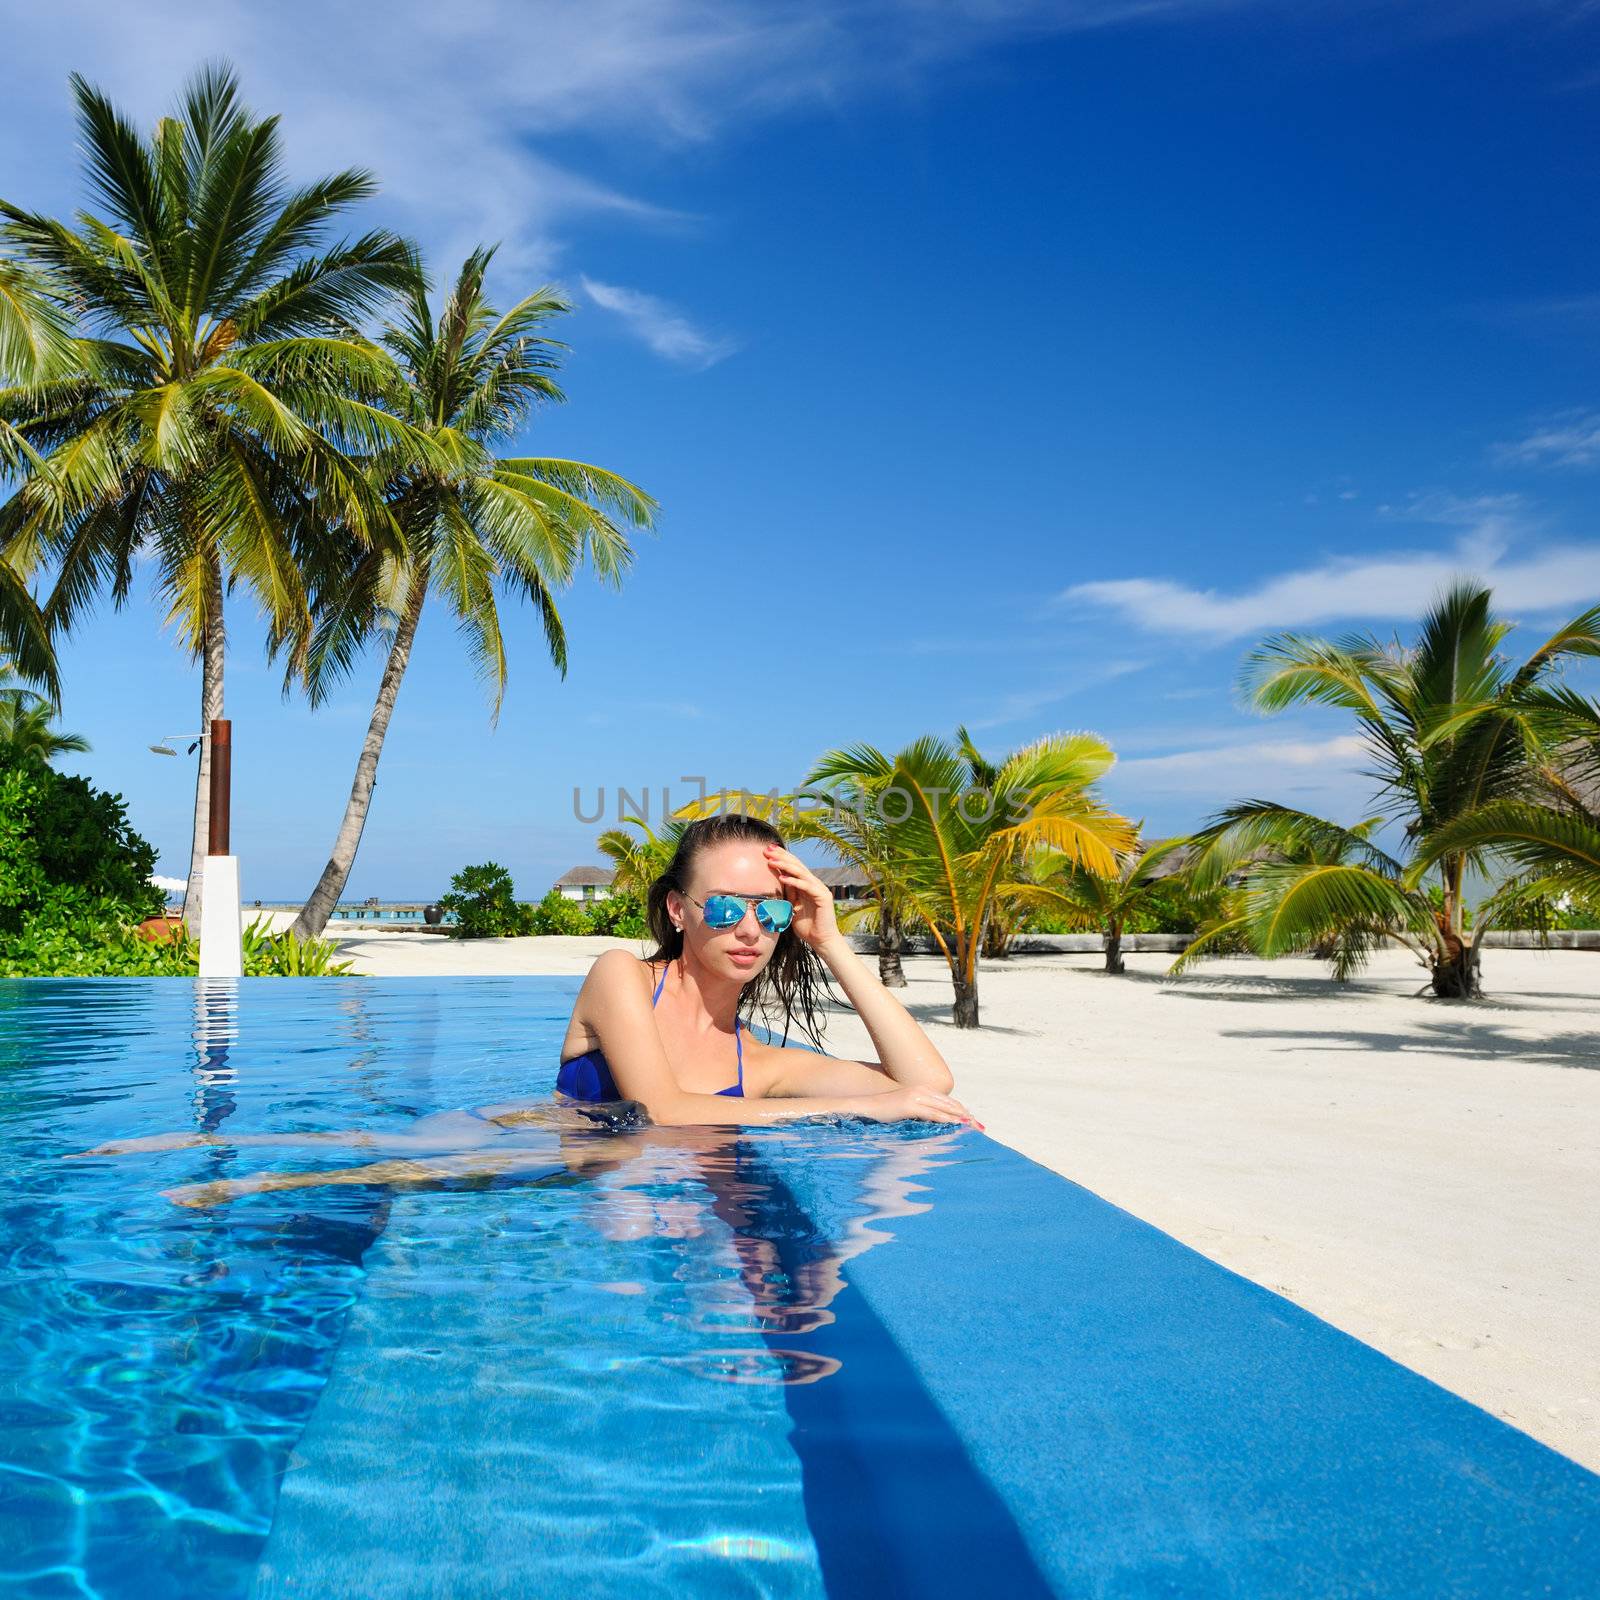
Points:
(822, 1359)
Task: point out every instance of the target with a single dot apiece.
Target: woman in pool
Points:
(740, 922)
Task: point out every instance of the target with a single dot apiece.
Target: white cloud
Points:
(665, 330)
(450, 104)
(1569, 439)
(1230, 771)
(1397, 585)
(439, 102)
(456, 107)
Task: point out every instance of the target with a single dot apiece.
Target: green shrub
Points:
(59, 832)
(75, 936)
(74, 879)
(1575, 915)
(485, 905)
(555, 914)
(282, 955)
(484, 901)
(1172, 906)
(620, 916)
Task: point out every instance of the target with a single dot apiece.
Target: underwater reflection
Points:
(772, 1218)
(216, 1031)
(787, 1250)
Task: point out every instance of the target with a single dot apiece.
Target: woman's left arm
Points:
(906, 1055)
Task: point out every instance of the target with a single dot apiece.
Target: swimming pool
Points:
(803, 1361)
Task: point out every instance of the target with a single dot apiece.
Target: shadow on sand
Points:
(1465, 1035)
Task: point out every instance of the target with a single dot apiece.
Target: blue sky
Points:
(1012, 364)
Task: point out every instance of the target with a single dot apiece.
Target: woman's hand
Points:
(814, 923)
(912, 1104)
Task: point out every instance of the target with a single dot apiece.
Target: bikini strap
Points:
(738, 1044)
(657, 995)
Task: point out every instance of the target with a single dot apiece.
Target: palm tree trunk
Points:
(964, 974)
(891, 941)
(212, 653)
(1114, 962)
(1454, 966)
(1455, 971)
(318, 908)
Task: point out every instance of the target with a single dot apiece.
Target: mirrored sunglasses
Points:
(724, 910)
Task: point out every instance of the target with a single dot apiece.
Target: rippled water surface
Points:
(336, 1337)
(445, 1351)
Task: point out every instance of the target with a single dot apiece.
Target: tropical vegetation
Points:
(1467, 746)
(471, 522)
(68, 855)
(483, 900)
(199, 418)
(1110, 902)
(27, 721)
(189, 387)
(949, 832)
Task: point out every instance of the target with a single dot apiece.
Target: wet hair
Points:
(795, 980)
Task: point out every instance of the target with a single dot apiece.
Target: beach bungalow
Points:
(847, 883)
(585, 883)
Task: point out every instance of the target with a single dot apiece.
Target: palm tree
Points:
(471, 521)
(1451, 726)
(34, 344)
(1107, 901)
(1282, 856)
(26, 720)
(216, 373)
(960, 830)
(857, 834)
(1550, 836)
(639, 861)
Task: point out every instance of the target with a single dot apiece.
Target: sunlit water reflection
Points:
(426, 1360)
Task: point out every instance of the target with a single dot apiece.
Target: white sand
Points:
(1424, 1176)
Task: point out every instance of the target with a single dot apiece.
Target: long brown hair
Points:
(794, 981)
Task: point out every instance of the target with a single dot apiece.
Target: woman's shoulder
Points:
(612, 976)
(612, 969)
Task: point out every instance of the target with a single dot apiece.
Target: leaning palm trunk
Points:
(318, 908)
(212, 653)
(1113, 945)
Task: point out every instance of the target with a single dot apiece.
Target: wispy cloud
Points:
(437, 101)
(1568, 439)
(455, 107)
(1029, 702)
(1252, 767)
(1386, 585)
(660, 326)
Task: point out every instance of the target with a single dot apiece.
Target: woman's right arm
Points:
(619, 1010)
(894, 1105)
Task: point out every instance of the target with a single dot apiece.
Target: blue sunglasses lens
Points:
(774, 915)
(723, 910)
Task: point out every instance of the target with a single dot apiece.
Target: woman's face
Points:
(737, 866)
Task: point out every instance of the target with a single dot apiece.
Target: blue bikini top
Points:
(588, 1077)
